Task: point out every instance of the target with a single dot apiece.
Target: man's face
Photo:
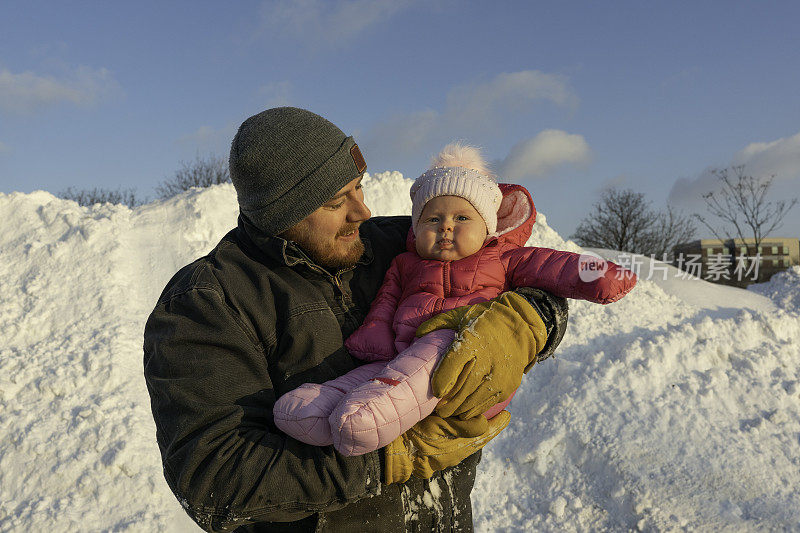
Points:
(330, 234)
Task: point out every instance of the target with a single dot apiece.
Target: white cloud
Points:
(780, 157)
(200, 135)
(620, 181)
(540, 155)
(209, 139)
(275, 94)
(688, 192)
(326, 22)
(28, 91)
(478, 108)
(402, 134)
(681, 78)
(474, 104)
(217, 140)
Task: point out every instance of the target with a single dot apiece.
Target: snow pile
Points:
(655, 415)
(386, 193)
(76, 285)
(677, 407)
(783, 288)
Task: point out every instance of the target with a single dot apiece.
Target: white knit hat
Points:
(473, 185)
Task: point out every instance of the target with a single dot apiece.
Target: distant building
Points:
(733, 261)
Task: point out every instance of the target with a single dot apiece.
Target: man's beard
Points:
(325, 252)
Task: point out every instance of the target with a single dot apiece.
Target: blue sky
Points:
(564, 97)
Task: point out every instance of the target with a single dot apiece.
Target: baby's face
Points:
(449, 229)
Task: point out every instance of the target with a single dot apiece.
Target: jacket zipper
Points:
(337, 282)
(446, 278)
(346, 300)
(437, 307)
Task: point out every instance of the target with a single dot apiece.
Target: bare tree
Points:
(198, 173)
(742, 207)
(102, 196)
(623, 220)
(672, 228)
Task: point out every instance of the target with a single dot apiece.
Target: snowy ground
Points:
(677, 408)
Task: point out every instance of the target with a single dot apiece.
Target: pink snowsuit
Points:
(370, 406)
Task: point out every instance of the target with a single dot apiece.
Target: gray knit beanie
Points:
(286, 162)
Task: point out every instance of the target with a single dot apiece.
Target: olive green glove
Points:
(436, 443)
(496, 342)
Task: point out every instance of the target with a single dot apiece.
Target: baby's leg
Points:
(374, 414)
(303, 412)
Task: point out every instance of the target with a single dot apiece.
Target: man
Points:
(267, 310)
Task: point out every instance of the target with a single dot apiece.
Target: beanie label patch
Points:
(358, 159)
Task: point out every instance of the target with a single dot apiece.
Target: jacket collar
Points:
(285, 252)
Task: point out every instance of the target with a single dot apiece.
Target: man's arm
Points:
(212, 399)
(554, 312)
(497, 342)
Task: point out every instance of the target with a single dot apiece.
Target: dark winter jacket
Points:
(235, 330)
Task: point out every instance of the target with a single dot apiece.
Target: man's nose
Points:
(360, 212)
(445, 226)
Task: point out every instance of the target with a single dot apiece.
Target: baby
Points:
(466, 246)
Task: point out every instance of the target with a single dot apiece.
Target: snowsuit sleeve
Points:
(558, 271)
(212, 397)
(374, 340)
(378, 411)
